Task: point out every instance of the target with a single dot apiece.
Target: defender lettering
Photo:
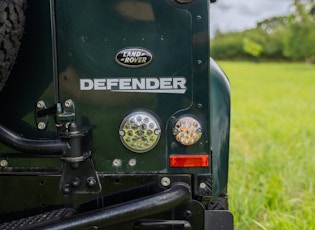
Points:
(176, 85)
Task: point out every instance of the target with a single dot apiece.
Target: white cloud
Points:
(237, 15)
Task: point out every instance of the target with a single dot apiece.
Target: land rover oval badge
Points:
(133, 57)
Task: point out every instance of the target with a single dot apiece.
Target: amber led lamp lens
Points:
(187, 130)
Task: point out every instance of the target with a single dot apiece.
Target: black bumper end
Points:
(219, 219)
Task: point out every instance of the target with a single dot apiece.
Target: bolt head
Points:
(41, 125)
(91, 182)
(202, 185)
(69, 103)
(66, 189)
(165, 181)
(76, 182)
(41, 105)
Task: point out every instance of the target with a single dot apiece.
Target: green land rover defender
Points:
(113, 116)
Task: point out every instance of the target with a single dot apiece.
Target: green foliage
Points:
(300, 39)
(272, 173)
(271, 25)
(226, 46)
(267, 39)
(300, 42)
(252, 48)
(277, 38)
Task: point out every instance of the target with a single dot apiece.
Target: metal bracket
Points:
(78, 172)
(63, 113)
(78, 175)
(80, 180)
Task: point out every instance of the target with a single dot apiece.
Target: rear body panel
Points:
(89, 44)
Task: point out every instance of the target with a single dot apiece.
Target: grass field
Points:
(272, 157)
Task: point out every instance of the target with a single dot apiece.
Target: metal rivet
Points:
(198, 17)
(174, 145)
(132, 162)
(187, 213)
(121, 133)
(157, 132)
(4, 163)
(199, 62)
(117, 163)
(165, 181)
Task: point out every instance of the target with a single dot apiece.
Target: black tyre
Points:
(12, 20)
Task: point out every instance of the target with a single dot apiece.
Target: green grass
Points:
(272, 157)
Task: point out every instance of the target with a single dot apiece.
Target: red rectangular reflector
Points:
(189, 161)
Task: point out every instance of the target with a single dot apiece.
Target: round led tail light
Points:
(187, 130)
(140, 131)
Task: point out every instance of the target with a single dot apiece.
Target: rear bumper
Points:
(171, 208)
(126, 202)
(128, 211)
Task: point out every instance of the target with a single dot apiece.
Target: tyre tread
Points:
(12, 19)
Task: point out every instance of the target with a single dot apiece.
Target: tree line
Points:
(288, 38)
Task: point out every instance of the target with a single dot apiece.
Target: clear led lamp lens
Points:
(140, 132)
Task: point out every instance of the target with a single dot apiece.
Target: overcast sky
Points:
(237, 15)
